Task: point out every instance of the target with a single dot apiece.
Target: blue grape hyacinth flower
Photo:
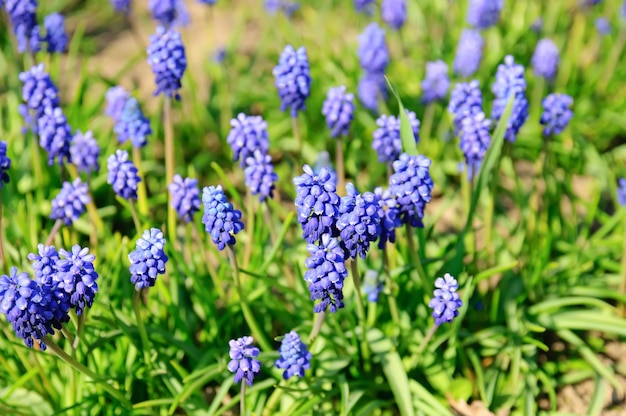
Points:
(465, 99)
(286, 6)
(412, 186)
(294, 357)
(23, 17)
(77, 277)
(436, 83)
(221, 220)
(545, 60)
(293, 79)
(260, 175)
(556, 114)
(509, 82)
(323, 161)
(365, 6)
(474, 140)
(5, 164)
(132, 124)
(603, 26)
(121, 6)
(185, 197)
(169, 13)
(371, 89)
(55, 135)
(372, 286)
(359, 223)
(84, 152)
(55, 37)
(372, 51)
(44, 263)
(390, 215)
(326, 272)
(122, 175)
(483, 14)
(148, 259)
(70, 202)
(446, 301)
(166, 56)
(247, 135)
(243, 359)
(39, 93)
(116, 98)
(338, 109)
(621, 192)
(387, 141)
(393, 13)
(469, 53)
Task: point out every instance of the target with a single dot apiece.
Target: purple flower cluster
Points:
(372, 286)
(260, 175)
(412, 185)
(84, 152)
(77, 277)
(148, 259)
(221, 220)
(56, 38)
(446, 301)
(23, 17)
(365, 6)
(122, 175)
(243, 359)
(393, 13)
(390, 216)
(326, 272)
(387, 141)
(371, 89)
(169, 13)
(359, 223)
(55, 135)
(121, 6)
(70, 203)
(132, 124)
(338, 110)
(621, 192)
(545, 60)
(484, 13)
(509, 82)
(469, 53)
(293, 79)
(166, 56)
(436, 83)
(294, 357)
(474, 140)
(185, 197)
(556, 114)
(373, 58)
(286, 6)
(5, 164)
(465, 100)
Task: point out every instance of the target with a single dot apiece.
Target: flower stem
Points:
(296, 133)
(360, 308)
(274, 398)
(142, 194)
(79, 330)
(315, 331)
(5, 265)
(467, 198)
(611, 63)
(341, 174)
(54, 231)
(242, 399)
(134, 28)
(133, 212)
(67, 334)
(391, 299)
(270, 223)
(169, 164)
(415, 255)
(141, 327)
(426, 339)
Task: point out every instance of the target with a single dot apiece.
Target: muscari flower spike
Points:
(55, 135)
(243, 359)
(545, 60)
(39, 93)
(317, 203)
(122, 175)
(393, 13)
(44, 263)
(390, 215)
(5, 164)
(22, 14)
(387, 141)
(338, 110)
(621, 192)
(70, 202)
(56, 38)
(446, 301)
(132, 125)
(469, 53)
(260, 175)
(510, 82)
(372, 51)
(326, 274)
(169, 13)
(77, 276)
(185, 197)
(465, 99)
(371, 89)
(116, 98)
(483, 14)
(84, 152)
(286, 6)
(292, 79)
(294, 357)
(365, 6)
(412, 186)
(121, 6)
(372, 286)
(556, 114)
(166, 56)
(221, 220)
(603, 26)
(247, 135)
(474, 140)
(359, 223)
(148, 259)
(436, 83)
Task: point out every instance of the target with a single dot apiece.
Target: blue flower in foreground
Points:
(294, 357)
(169, 13)
(338, 110)
(474, 140)
(484, 13)
(469, 53)
(371, 89)
(185, 197)
(116, 98)
(243, 359)
(372, 286)
(221, 220)
(84, 152)
(22, 14)
(436, 83)
(5, 164)
(372, 51)
(412, 186)
(260, 175)
(446, 301)
(545, 60)
(39, 93)
(317, 203)
(365, 6)
(603, 26)
(248, 134)
(326, 274)
(70, 202)
(465, 99)
(122, 175)
(121, 6)
(390, 216)
(359, 222)
(148, 259)
(55, 33)
(621, 192)
(509, 82)
(292, 79)
(77, 277)
(556, 113)
(45, 264)
(27, 307)
(393, 13)
(323, 161)
(132, 124)
(387, 141)
(55, 135)
(166, 56)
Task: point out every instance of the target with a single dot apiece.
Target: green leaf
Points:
(409, 145)
(461, 388)
(24, 402)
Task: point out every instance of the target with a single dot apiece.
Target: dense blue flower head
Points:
(317, 203)
(260, 175)
(545, 60)
(603, 26)
(360, 221)
(293, 79)
(412, 186)
(469, 53)
(446, 301)
(221, 220)
(248, 134)
(55, 135)
(373, 53)
(390, 216)
(510, 82)
(465, 99)
(122, 175)
(132, 124)
(326, 274)
(474, 140)
(5, 164)
(436, 84)
(22, 14)
(243, 359)
(621, 192)
(84, 152)
(323, 161)
(38, 92)
(371, 89)
(393, 13)
(338, 110)
(27, 307)
(69, 204)
(169, 13)
(121, 6)
(365, 6)
(77, 277)
(556, 113)
(372, 286)
(294, 357)
(56, 38)
(44, 263)
(387, 142)
(116, 98)
(148, 259)
(185, 197)
(484, 13)
(166, 56)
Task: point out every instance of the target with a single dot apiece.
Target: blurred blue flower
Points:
(484, 13)
(166, 56)
(209, 2)
(23, 17)
(294, 357)
(185, 197)
(556, 113)
(537, 25)
(122, 175)
(293, 79)
(390, 216)
(412, 186)
(621, 192)
(169, 13)
(323, 161)
(286, 6)
(359, 221)
(338, 110)
(465, 99)
(69, 204)
(221, 220)
(326, 272)
(372, 89)
(372, 50)
(243, 359)
(55, 135)
(603, 26)
(77, 277)
(116, 98)
(5, 164)
(545, 60)
(474, 140)
(510, 82)
(219, 55)
(56, 37)
(38, 92)
(393, 13)
(387, 141)
(148, 259)
(469, 53)
(260, 175)
(84, 152)
(248, 134)
(446, 301)
(365, 6)
(121, 6)
(132, 124)
(317, 203)
(372, 286)
(436, 83)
